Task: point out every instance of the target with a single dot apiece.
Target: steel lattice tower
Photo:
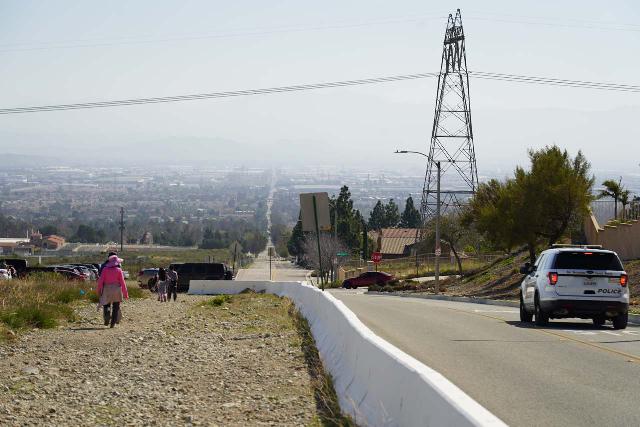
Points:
(452, 134)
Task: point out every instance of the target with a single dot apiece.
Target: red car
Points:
(367, 279)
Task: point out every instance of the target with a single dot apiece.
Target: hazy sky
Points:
(68, 51)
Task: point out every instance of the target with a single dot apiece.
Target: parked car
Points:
(367, 279)
(147, 278)
(583, 282)
(19, 264)
(71, 274)
(200, 271)
(91, 268)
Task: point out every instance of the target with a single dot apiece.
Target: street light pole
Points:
(438, 250)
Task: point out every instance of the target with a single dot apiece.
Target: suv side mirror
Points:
(526, 268)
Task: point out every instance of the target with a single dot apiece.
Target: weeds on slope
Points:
(259, 314)
(42, 301)
(326, 399)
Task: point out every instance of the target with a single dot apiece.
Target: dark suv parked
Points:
(200, 271)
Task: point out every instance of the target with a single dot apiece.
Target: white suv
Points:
(579, 281)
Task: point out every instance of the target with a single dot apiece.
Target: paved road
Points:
(281, 271)
(568, 374)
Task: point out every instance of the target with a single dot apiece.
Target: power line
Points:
(24, 46)
(512, 78)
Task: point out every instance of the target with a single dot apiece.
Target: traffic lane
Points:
(626, 341)
(521, 375)
(281, 271)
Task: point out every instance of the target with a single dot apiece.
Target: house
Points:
(53, 242)
(147, 238)
(394, 242)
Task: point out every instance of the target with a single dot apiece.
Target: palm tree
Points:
(624, 200)
(612, 189)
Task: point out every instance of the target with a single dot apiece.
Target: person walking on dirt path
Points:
(112, 289)
(162, 285)
(172, 276)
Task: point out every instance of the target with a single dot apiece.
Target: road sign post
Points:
(314, 208)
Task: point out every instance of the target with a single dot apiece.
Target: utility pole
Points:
(235, 254)
(121, 229)
(365, 240)
(315, 217)
(438, 250)
(452, 132)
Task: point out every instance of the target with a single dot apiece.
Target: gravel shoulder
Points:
(240, 363)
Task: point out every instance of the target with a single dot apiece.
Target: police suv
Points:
(575, 281)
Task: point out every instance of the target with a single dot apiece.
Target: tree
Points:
(295, 244)
(536, 206)
(329, 247)
(410, 217)
(348, 226)
(88, 234)
(377, 217)
(624, 200)
(614, 190)
(48, 230)
(391, 214)
(452, 232)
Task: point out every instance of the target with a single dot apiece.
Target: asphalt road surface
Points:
(570, 373)
(281, 271)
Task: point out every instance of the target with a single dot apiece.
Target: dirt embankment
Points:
(501, 280)
(240, 362)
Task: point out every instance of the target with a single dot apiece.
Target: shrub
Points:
(218, 301)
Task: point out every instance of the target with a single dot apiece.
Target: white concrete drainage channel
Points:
(376, 383)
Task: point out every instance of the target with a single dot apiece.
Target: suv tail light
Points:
(623, 280)
(553, 278)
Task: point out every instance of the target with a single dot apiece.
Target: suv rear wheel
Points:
(620, 321)
(542, 318)
(525, 316)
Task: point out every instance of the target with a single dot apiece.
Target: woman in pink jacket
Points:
(112, 289)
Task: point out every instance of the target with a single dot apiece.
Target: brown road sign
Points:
(322, 211)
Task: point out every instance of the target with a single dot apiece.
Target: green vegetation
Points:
(43, 300)
(538, 206)
(217, 301)
(410, 216)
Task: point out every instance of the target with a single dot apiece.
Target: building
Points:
(394, 242)
(53, 242)
(147, 238)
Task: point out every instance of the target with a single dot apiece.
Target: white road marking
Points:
(495, 311)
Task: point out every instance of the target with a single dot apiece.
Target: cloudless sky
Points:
(76, 51)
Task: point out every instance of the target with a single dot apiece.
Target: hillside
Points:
(501, 279)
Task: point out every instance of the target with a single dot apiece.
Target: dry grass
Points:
(42, 301)
(281, 315)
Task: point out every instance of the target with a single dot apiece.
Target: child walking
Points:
(163, 284)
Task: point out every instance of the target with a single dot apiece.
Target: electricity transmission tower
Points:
(452, 134)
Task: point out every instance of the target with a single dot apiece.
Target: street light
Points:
(410, 152)
(437, 250)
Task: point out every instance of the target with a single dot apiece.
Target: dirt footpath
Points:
(239, 363)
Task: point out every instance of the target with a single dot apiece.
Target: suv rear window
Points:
(588, 261)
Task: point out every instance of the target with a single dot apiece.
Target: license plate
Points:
(590, 283)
